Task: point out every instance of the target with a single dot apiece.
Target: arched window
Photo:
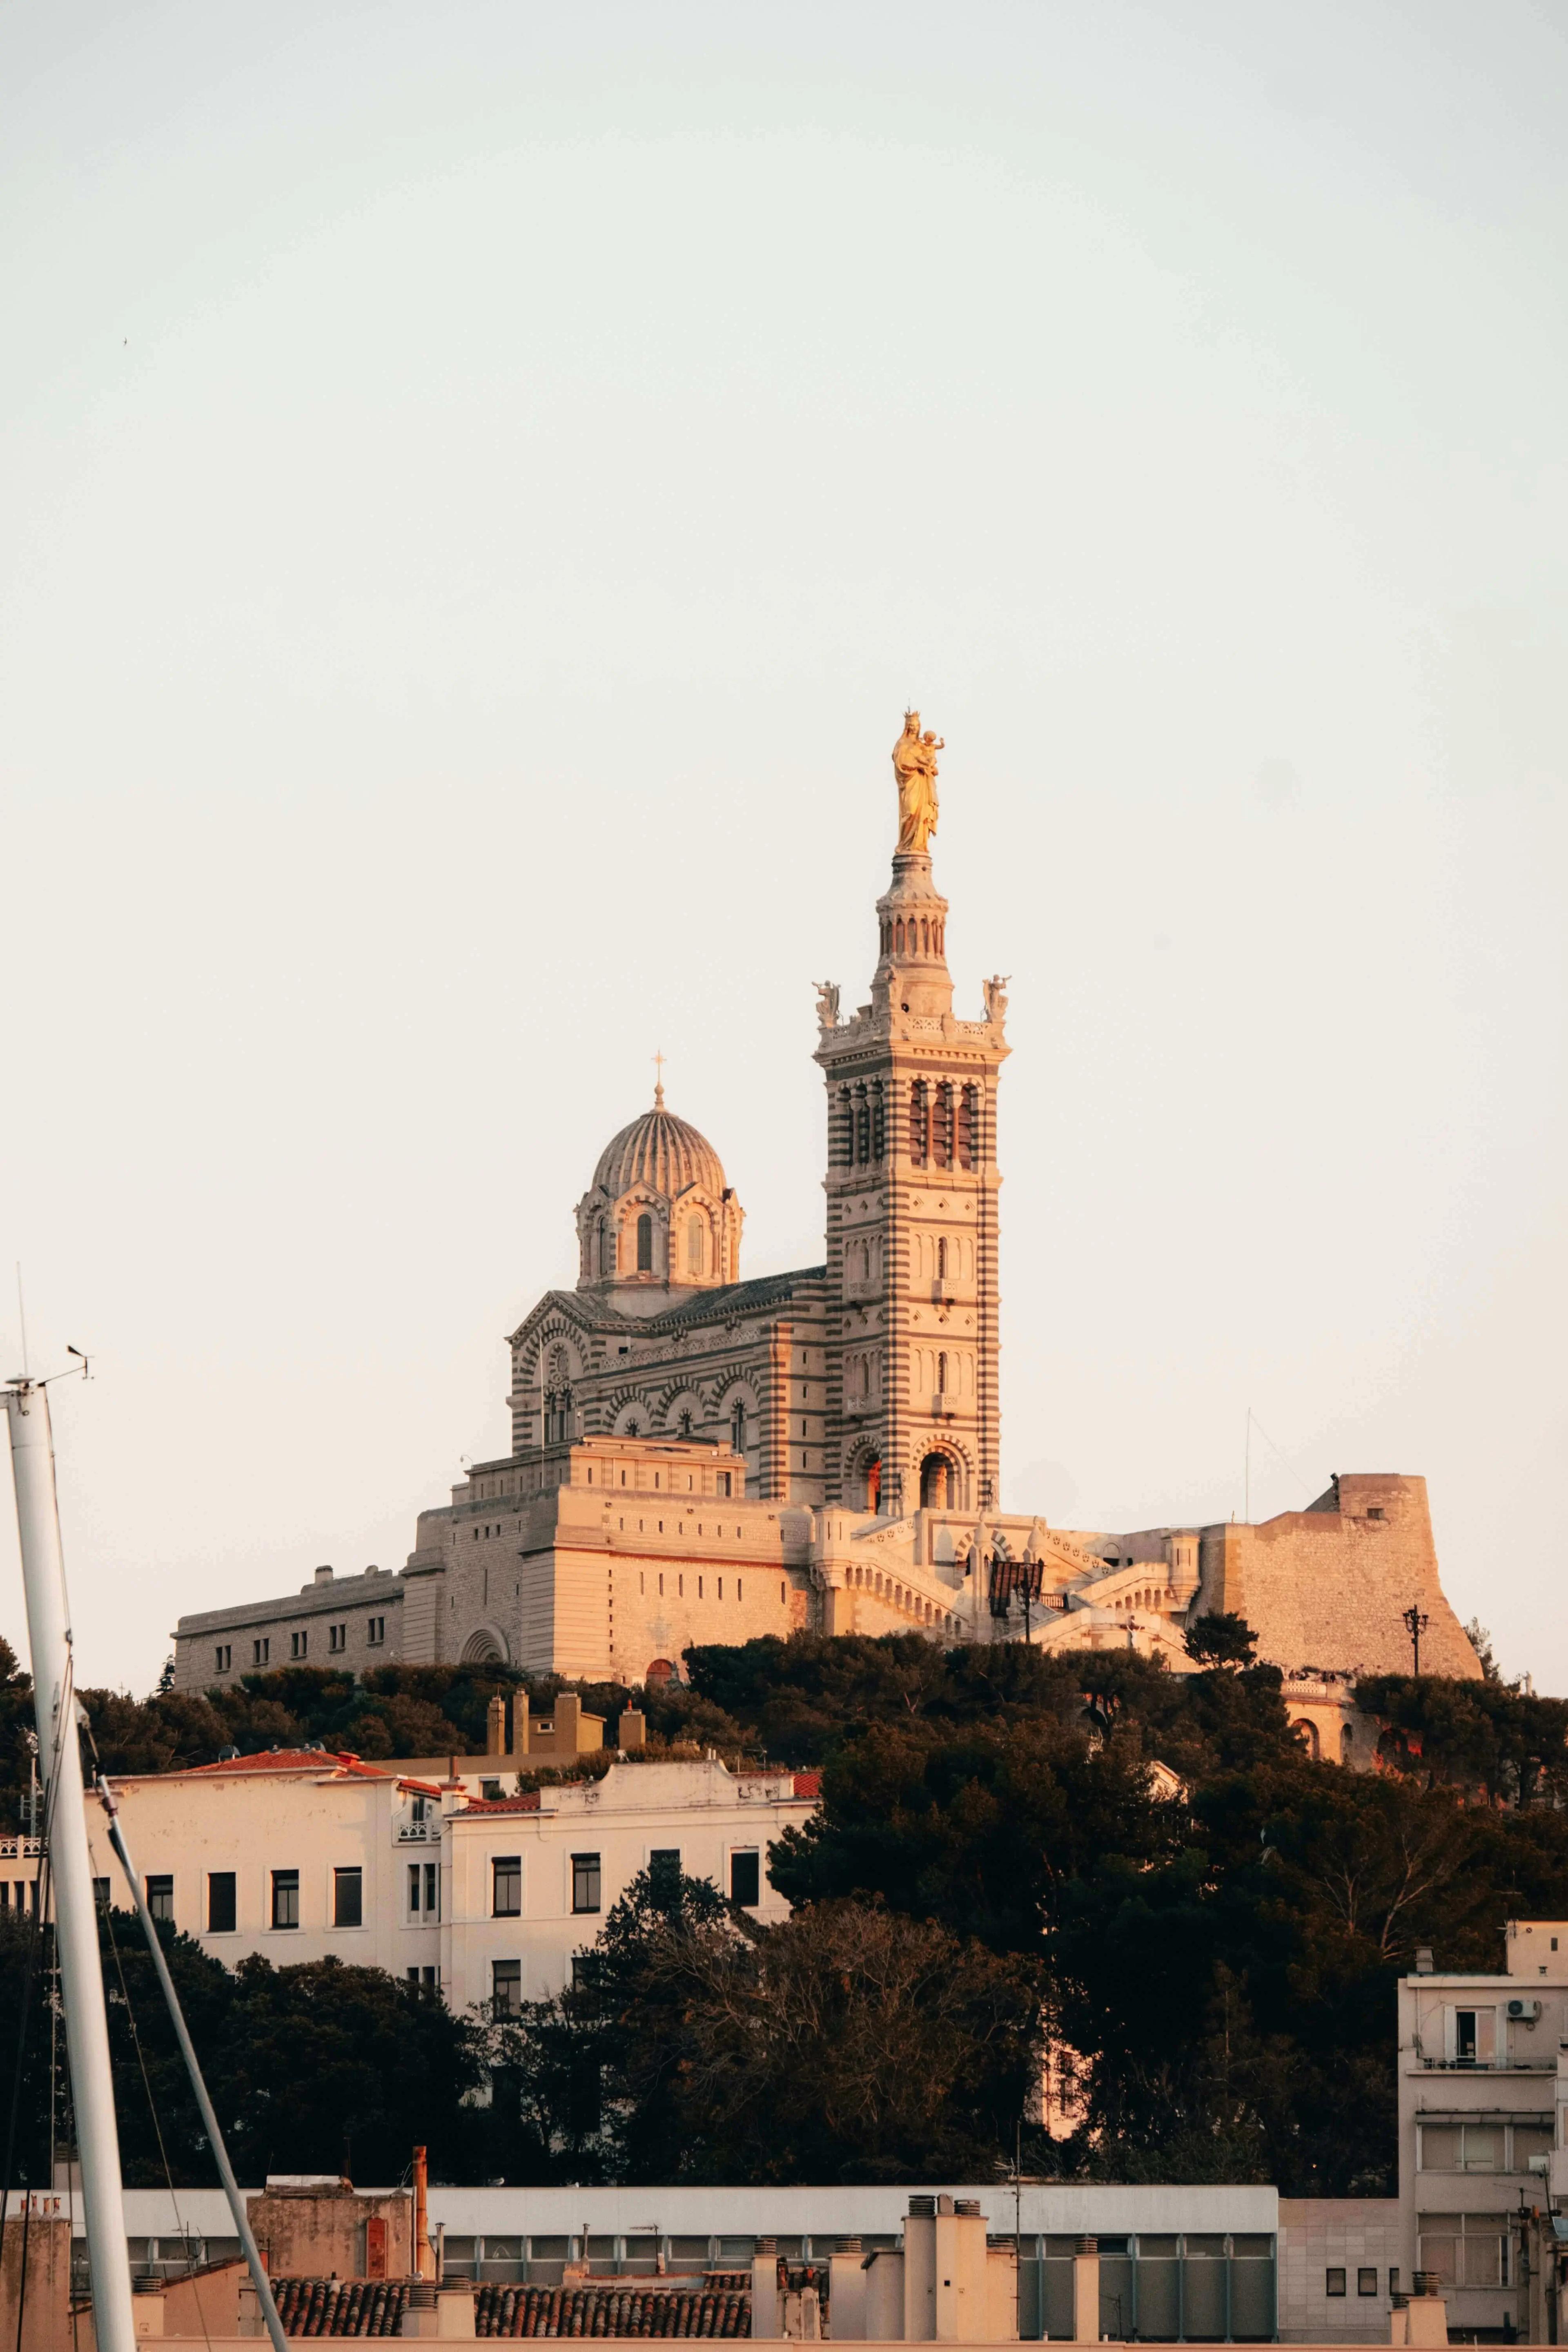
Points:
(1347, 1744)
(968, 1125)
(942, 1138)
(694, 1246)
(919, 1123)
(844, 1137)
(899, 933)
(879, 1123)
(873, 1484)
(862, 1127)
(925, 938)
(685, 1424)
(936, 1489)
(942, 1374)
(941, 1269)
(606, 1249)
(738, 1425)
(645, 1243)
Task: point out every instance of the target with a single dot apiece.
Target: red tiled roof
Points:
(290, 1759)
(803, 1784)
(528, 1804)
(623, 2307)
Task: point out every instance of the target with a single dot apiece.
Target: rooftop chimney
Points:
(324, 1576)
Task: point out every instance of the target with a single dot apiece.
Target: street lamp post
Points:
(1418, 1622)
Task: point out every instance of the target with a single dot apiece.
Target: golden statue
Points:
(914, 766)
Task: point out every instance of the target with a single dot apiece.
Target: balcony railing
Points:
(418, 1832)
(1488, 2065)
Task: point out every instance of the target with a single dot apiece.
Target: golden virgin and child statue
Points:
(914, 767)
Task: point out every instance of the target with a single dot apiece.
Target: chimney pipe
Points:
(422, 2260)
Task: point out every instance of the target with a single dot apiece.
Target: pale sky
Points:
(481, 482)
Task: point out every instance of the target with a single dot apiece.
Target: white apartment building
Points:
(489, 1896)
(1477, 2091)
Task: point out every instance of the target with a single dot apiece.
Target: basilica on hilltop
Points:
(697, 1457)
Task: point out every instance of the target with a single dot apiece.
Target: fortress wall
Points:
(1326, 1586)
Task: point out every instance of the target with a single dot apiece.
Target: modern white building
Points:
(1478, 2092)
(299, 1853)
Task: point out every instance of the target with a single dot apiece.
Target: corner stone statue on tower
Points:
(914, 767)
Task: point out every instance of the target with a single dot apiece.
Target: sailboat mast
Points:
(76, 1924)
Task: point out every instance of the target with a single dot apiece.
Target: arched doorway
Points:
(939, 1484)
(871, 1493)
(487, 1647)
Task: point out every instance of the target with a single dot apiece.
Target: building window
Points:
(375, 1632)
(586, 1882)
(664, 1864)
(161, 1897)
(862, 1127)
(738, 1425)
(1366, 2281)
(337, 1638)
(919, 1123)
(348, 1897)
(424, 1980)
(1474, 2036)
(506, 1988)
(694, 1246)
(879, 1124)
(1335, 2282)
(724, 1478)
(424, 1890)
(942, 1260)
(299, 1643)
(222, 1657)
(1461, 2147)
(261, 1652)
(221, 1908)
(968, 1125)
(942, 1138)
(645, 1243)
(506, 1886)
(100, 1895)
(941, 1375)
(1464, 2249)
(285, 1898)
(746, 1877)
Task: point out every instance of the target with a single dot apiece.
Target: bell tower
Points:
(912, 1416)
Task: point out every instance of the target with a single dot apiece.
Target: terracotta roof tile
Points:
(623, 2307)
(292, 1760)
(526, 1804)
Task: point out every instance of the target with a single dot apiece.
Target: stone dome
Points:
(661, 1152)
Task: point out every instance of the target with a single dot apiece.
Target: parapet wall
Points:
(1329, 1586)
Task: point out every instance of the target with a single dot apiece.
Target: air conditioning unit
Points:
(1524, 2013)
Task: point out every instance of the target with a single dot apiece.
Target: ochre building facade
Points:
(695, 1457)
